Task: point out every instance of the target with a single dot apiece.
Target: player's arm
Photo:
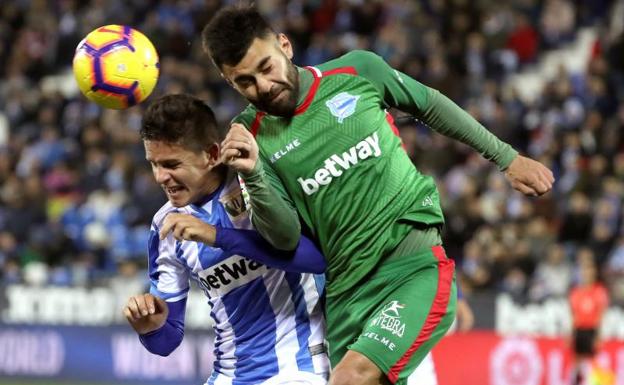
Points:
(158, 316)
(272, 213)
(445, 117)
(525, 175)
(306, 258)
(160, 325)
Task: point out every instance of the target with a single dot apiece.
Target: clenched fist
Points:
(239, 149)
(529, 176)
(146, 312)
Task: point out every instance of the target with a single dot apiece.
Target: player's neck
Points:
(218, 177)
(305, 81)
(213, 184)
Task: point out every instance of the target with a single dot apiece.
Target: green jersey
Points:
(339, 161)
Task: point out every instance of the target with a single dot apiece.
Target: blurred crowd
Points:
(77, 196)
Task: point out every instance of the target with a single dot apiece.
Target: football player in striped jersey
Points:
(265, 303)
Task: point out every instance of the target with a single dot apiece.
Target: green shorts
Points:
(398, 315)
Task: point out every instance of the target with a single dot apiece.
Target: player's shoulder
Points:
(361, 60)
(246, 117)
(167, 208)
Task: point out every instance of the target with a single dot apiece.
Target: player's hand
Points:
(239, 149)
(529, 176)
(465, 317)
(146, 312)
(188, 227)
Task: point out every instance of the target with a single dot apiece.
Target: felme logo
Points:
(229, 274)
(336, 164)
(390, 319)
(285, 150)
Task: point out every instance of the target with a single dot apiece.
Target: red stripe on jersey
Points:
(317, 81)
(436, 313)
(341, 70)
(394, 128)
(310, 96)
(255, 126)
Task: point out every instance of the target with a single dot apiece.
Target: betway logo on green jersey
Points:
(336, 164)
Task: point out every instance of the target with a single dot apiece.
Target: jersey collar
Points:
(305, 98)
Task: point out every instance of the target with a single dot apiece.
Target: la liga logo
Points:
(516, 361)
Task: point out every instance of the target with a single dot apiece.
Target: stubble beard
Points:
(285, 108)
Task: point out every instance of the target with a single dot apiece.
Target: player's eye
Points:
(245, 83)
(171, 166)
(267, 69)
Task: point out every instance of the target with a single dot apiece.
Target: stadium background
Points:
(76, 195)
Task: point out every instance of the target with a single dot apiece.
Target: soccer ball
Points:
(116, 66)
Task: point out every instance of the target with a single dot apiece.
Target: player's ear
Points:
(213, 155)
(285, 45)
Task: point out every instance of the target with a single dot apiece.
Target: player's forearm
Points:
(306, 258)
(165, 340)
(271, 216)
(445, 117)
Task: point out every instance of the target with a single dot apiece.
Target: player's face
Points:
(266, 77)
(185, 175)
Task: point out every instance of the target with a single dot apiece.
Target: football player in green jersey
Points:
(317, 145)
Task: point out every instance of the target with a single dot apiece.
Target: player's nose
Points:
(161, 175)
(264, 86)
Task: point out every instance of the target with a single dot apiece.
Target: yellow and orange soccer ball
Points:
(116, 66)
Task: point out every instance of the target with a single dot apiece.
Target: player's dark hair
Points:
(181, 119)
(229, 34)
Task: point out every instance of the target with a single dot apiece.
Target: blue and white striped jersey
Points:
(266, 321)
